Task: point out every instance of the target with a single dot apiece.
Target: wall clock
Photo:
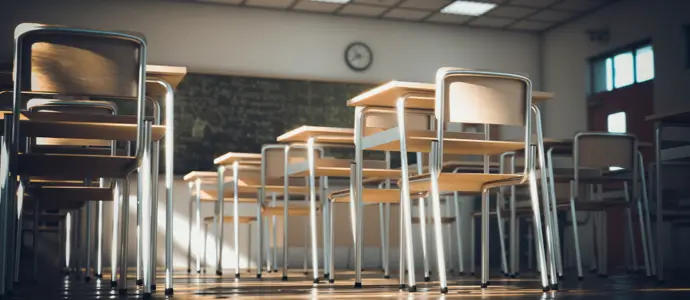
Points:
(358, 56)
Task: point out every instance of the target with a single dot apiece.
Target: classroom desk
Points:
(679, 119)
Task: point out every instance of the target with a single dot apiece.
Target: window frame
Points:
(632, 48)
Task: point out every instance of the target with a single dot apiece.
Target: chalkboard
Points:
(216, 114)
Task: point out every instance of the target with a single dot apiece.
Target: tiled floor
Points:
(54, 286)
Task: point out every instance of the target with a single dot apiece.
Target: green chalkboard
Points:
(215, 114)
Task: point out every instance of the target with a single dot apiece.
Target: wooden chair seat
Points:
(231, 219)
(75, 165)
(453, 143)
(293, 210)
(462, 182)
(372, 196)
(341, 168)
(444, 220)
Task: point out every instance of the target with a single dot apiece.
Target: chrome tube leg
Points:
(438, 223)
(286, 201)
(220, 207)
(501, 234)
(192, 190)
(325, 223)
(576, 235)
(648, 224)
(513, 235)
(37, 217)
(306, 249)
(89, 221)
(401, 246)
(331, 264)
(554, 213)
(539, 239)
(405, 190)
(155, 170)
(205, 262)
(275, 235)
(485, 239)
(530, 246)
(458, 233)
(659, 204)
(99, 238)
(78, 242)
(117, 202)
(235, 215)
(311, 160)
(169, 184)
(423, 231)
(631, 235)
(387, 229)
(147, 228)
(382, 236)
(473, 246)
(124, 241)
(140, 280)
(198, 221)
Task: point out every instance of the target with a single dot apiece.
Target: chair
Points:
(57, 60)
(480, 97)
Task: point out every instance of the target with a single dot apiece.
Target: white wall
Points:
(567, 48)
(223, 39)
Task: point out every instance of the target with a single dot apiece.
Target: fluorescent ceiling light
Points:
(468, 8)
(332, 1)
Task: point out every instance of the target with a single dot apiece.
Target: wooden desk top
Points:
(387, 95)
(682, 117)
(244, 158)
(194, 175)
(331, 135)
(171, 74)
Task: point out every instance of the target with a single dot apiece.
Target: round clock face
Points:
(358, 56)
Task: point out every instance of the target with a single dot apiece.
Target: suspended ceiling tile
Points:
(314, 6)
(552, 15)
(362, 10)
(222, 1)
(451, 19)
(531, 25)
(406, 14)
(491, 22)
(511, 11)
(580, 5)
(270, 3)
(534, 3)
(425, 4)
(377, 2)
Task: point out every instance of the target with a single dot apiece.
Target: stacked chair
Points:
(70, 147)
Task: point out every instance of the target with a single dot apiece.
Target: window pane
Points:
(616, 122)
(644, 58)
(623, 70)
(601, 70)
(609, 74)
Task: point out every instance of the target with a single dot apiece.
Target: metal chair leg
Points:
(631, 235)
(539, 239)
(485, 239)
(422, 227)
(401, 246)
(124, 241)
(458, 232)
(576, 236)
(438, 226)
(191, 226)
(220, 207)
(235, 214)
(117, 201)
(37, 214)
(501, 234)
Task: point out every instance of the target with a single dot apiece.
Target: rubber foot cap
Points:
(219, 273)
(580, 278)
(189, 271)
(316, 281)
(258, 276)
(275, 271)
(306, 273)
(122, 292)
(485, 285)
(99, 276)
(146, 296)
(153, 287)
(169, 292)
(461, 273)
(237, 275)
(427, 279)
(331, 280)
(412, 289)
(140, 282)
(198, 271)
(562, 277)
(444, 290)
(269, 271)
(506, 275)
(87, 279)
(513, 276)
(472, 274)
(386, 276)
(401, 287)
(554, 287)
(545, 289)
(358, 285)
(113, 284)
(284, 278)
(326, 276)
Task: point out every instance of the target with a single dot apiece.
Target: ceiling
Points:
(519, 15)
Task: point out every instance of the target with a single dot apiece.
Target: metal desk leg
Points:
(659, 203)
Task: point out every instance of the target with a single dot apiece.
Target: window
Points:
(616, 123)
(622, 68)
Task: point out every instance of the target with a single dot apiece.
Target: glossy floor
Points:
(205, 286)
